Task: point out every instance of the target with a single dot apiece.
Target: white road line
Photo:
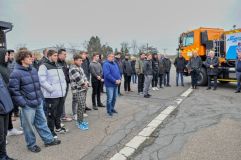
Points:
(143, 135)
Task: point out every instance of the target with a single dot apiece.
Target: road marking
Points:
(186, 93)
(143, 135)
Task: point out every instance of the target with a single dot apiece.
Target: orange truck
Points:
(224, 43)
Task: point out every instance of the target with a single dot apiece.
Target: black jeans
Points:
(127, 83)
(160, 79)
(194, 77)
(141, 79)
(215, 81)
(3, 134)
(10, 123)
(96, 88)
(119, 88)
(155, 80)
(166, 78)
(54, 110)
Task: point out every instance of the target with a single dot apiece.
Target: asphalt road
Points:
(106, 135)
(206, 126)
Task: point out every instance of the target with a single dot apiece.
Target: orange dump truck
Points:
(224, 43)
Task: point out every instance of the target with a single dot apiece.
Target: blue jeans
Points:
(35, 117)
(111, 93)
(177, 77)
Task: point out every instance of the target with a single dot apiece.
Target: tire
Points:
(202, 78)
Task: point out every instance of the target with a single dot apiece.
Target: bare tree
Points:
(125, 47)
(134, 47)
(59, 46)
(20, 45)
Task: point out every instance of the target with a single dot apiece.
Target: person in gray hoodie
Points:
(148, 72)
(127, 71)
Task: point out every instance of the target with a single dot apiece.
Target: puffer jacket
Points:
(155, 66)
(24, 86)
(6, 104)
(52, 80)
(215, 63)
(127, 69)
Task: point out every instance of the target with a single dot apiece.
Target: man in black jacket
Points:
(212, 69)
(6, 106)
(44, 59)
(62, 63)
(167, 65)
(155, 68)
(5, 72)
(127, 71)
(180, 64)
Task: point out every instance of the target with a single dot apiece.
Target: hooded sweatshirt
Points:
(5, 72)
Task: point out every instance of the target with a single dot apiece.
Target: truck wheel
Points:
(202, 79)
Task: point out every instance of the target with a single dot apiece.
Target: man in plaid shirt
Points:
(79, 87)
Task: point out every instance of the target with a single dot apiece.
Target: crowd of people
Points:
(36, 90)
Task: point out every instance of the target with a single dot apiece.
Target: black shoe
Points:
(195, 87)
(168, 85)
(54, 135)
(183, 85)
(149, 95)
(161, 87)
(35, 149)
(114, 111)
(88, 109)
(214, 89)
(146, 96)
(208, 88)
(95, 107)
(55, 142)
(237, 92)
(101, 105)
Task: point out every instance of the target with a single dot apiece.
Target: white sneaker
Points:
(61, 124)
(153, 88)
(6, 142)
(75, 117)
(157, 89)
(85, 115)
(14, 132)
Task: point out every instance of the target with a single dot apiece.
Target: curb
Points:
(130, 148)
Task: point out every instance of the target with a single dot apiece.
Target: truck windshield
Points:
(188, 39)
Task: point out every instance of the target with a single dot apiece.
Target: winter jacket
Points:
(42, 61)
(4, 71)
(111, 73)
(120, 64)
(139, 66)
(214, 62)
(180, 64)
(65, 69)
(161, 66)
(24, 86)
(11, 66)
(133, 64)
(36, 64)
(155, 66)
(86, 67)
(127, 69)
(195, 63)
(147, 68)
(6, 104)
(77, 78)
(167, 64)
(52, 80)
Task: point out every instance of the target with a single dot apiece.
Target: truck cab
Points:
(203, 40)
(4, 28)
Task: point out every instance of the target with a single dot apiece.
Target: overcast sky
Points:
(43, 23)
